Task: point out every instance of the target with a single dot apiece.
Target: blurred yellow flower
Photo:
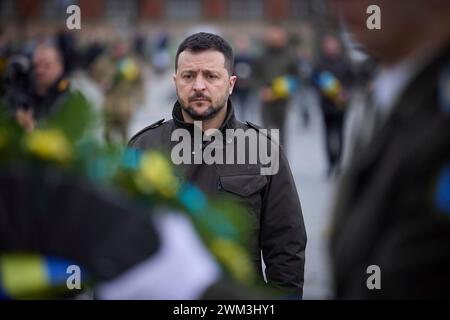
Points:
(130, 70)
(280, 87)
(155, 173)
(49, 144)
(234, 257)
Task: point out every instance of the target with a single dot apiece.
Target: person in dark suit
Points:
(391, 229)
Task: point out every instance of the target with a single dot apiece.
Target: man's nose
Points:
(199, 83)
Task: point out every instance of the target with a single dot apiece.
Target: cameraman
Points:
(35, 91)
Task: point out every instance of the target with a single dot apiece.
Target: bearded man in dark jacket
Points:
(204, 81)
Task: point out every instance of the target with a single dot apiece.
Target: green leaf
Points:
(75, 117)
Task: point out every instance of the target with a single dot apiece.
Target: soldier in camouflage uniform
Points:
(121, 81)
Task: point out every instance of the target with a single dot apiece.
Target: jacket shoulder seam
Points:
(258, 128)
(150, 127)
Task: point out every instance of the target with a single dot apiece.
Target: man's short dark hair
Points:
(203, 41)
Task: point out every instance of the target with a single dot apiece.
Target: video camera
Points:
(18, 83)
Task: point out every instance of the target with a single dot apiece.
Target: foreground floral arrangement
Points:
(65, 142)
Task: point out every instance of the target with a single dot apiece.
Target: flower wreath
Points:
(63, 141)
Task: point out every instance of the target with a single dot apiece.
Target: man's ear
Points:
(232, 83)
(174, 78)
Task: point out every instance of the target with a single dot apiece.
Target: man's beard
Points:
(209, 113)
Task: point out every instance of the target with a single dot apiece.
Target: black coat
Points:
(272, 200)
(387, 213)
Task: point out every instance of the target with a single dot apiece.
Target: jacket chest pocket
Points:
(247, 189)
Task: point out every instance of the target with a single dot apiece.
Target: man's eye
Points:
(212, 76)
(187, 76)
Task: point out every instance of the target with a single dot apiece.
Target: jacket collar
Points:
(178, 119)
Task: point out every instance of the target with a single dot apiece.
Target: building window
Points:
(183, 9)
(243, 10)
(120, 11)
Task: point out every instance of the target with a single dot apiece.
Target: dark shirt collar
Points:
(178, 119)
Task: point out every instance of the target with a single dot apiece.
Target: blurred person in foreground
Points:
(393, 206)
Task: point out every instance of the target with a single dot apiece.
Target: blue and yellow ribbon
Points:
(24, 275)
